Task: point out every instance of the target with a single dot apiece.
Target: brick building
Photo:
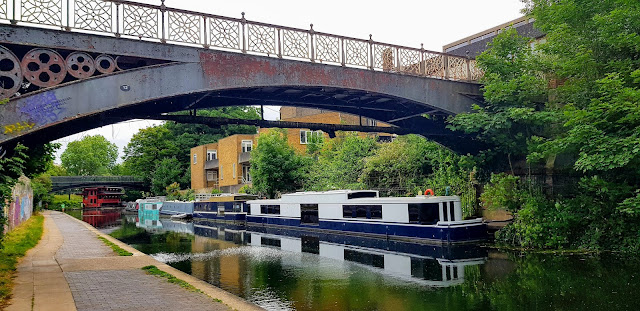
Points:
(225, 165)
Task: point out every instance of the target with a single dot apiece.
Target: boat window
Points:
(220, 208)
(348, 211)
(310, 244)
(270, 241)
(368, 259)
(309, 214)
(452, 210)
(361, 211)
(414, 213)
(362, 194)
(445, 215)
(376, 212)
(424, 213)
(270, 209)
(237, 207)
(427, 269)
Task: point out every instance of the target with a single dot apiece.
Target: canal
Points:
(289, 270)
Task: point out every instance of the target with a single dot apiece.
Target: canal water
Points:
(289, 270)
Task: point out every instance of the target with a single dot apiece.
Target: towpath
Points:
(71, 269)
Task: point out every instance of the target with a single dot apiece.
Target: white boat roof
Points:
(341, 196)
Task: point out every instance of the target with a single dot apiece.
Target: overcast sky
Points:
(402, 22)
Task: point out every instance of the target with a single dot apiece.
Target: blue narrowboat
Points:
(424, 218)
(231, 208)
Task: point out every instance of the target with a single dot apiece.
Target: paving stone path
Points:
(71, 269)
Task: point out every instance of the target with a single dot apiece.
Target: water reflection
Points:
(291, 271)
(100, 217)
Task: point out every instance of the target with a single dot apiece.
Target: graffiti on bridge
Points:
(17, 127)
(44, 108)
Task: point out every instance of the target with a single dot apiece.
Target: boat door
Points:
(309, 214)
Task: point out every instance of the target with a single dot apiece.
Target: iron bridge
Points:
(67, 66)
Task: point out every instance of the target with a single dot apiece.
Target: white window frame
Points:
(308, 134)
(212, 155)
(246, 173)
(221, 172)
(212, 176)
(246, 145)
(372, 122)
(195, 158)
(234, 170)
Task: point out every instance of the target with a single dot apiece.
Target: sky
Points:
(403, 22)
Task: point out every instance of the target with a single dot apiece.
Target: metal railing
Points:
(84, 179)
(165, 24)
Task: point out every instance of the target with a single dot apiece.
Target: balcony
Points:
(244, 157)
(211, 164)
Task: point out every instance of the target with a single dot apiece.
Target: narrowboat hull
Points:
(460, 232)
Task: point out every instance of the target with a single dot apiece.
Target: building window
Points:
(233, 166)
(246, 176)
(212, 176)
(309, 136)
(212, 155)
(195, 159)
(247, 145)
(221, 172)
(371, 122)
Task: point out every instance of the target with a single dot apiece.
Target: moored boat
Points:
(424, 218)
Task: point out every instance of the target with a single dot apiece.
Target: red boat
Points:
(102, 196)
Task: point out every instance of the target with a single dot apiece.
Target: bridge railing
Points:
(165, 24)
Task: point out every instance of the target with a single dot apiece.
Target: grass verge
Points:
(14, 245)
(153, 270)
(115, 248)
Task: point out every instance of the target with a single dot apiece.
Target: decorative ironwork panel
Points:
(140, 21)
(93, 15)
(476, 72)
(457, 68)
(409, 61)
(295, 43)
(184, 27)
(327, 48)
(48, 12)
(433, 65)
(357, 52)
(224, 33)
(384, 57)
(262, 39)
(3, 9)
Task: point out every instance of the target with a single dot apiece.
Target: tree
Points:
(591, 115)
(167, 172)
(146, 149)
(339, 163)
(92, 155)
(275, 166)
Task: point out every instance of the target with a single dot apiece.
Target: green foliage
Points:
(503, 191)
(117, 249)
(173, 191)
(59, 199)
(11, 168)
(41, 186)
(92, 155)
(339, 163)
(275, 166)
(15, 245)
(167, 171)
(218, 191)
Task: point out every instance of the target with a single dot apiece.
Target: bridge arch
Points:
(199, 78)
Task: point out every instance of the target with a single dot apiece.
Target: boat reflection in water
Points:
(149, 219)
(101, 217)
(429, 265)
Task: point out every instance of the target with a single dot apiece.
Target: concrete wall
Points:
(20, 207)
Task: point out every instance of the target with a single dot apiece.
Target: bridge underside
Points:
(174, 78)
